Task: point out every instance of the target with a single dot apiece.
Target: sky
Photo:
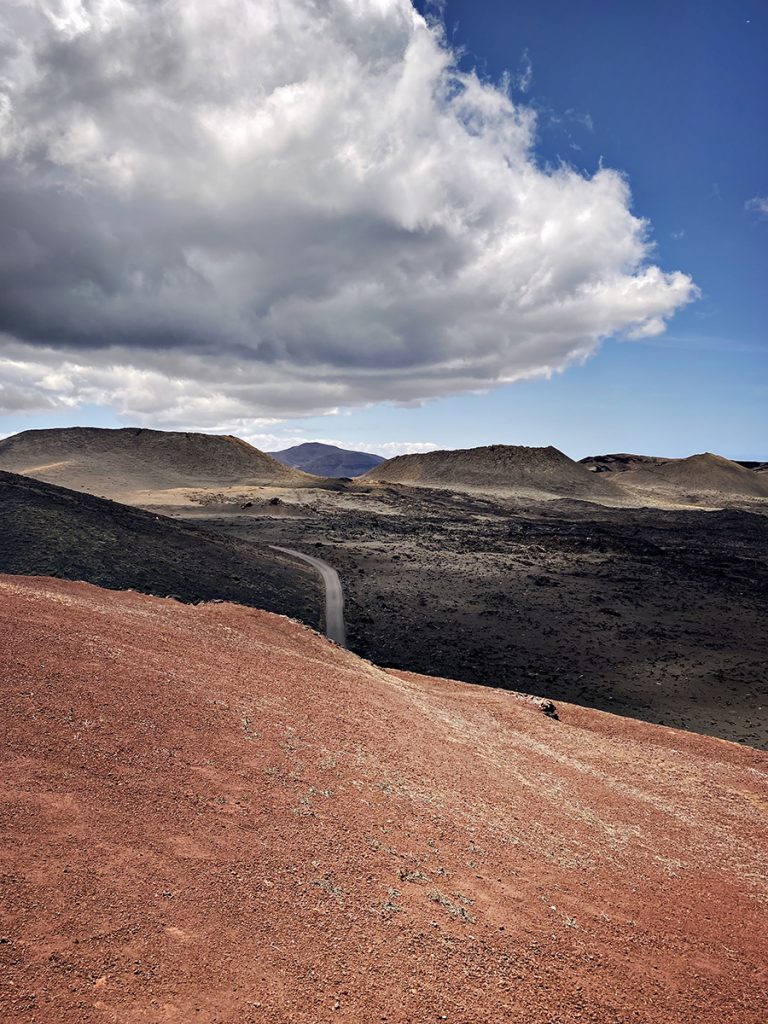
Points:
(391, 227)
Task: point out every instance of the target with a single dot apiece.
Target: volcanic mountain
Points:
(710, 472)
(498, 468)
(138, 465)
(705, 473)
(212, 813)
(327, 459)
(52, 531)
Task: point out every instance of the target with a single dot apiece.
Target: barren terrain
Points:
(705, 479)
(657, 614)
(212, 814)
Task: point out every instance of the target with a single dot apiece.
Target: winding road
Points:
(334, 596)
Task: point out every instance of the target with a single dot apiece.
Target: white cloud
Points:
(275, 442)
(391, 448)
(216, 213)
(759, 205)
(524, 77)
(23, 400)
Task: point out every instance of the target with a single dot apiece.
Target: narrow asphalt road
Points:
(334, 596)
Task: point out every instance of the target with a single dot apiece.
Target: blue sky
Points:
(674, 96)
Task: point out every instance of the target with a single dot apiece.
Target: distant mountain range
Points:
(513, 469)
(327, 459)
(168, 468)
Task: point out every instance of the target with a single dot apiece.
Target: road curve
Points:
(334, 596)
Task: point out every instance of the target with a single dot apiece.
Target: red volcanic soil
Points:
(211, 814)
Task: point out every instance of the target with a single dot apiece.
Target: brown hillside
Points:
(212, 814)
(120, 463)
(705, 473)
(498, 468)
(709, 472)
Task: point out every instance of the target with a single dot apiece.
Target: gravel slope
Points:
(212, 814)
(704, 474)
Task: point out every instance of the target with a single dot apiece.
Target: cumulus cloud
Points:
(233, 211)
(23, 399)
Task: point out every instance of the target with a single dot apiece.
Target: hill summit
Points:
(132, 461)
(708, 472)
(327, 459)
(501, 468)
(704, 473)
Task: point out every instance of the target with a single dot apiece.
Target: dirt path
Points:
(334, 596)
